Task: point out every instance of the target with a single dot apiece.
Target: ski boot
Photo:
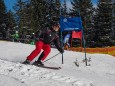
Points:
(38, 63)
(26, 62)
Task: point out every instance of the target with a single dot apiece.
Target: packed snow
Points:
(99, 72)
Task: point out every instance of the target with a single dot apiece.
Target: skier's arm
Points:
(58, 45)
(39, 34)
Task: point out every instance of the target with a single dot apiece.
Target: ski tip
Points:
(59, 67)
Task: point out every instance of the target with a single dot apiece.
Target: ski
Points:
(48, 67)
(44, 66)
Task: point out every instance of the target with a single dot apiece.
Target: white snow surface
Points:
(101, 71)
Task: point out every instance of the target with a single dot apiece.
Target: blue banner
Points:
(69, 24)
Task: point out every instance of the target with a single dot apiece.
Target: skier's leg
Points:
(46, 48)
(46, 51)
(39, 62)
(41, 56)
(36, 51)
(68, 44)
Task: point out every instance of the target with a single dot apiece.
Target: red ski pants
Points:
(39, 46)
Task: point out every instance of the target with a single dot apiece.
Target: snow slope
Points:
(101, 71)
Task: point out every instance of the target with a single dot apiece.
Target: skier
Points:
(32, 39)
(15, 36)
(46, 37)
(66, 39)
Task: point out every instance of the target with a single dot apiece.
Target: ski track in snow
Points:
(34, 76)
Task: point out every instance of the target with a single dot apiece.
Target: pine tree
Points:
(11, 26)
(2, 11)
(2, 19)
(22, 16)
(36, 14)
(103, 23)
(40, 12)
(54, 10)
(10, 19)
(113, 20)
(25, 16)
(84, 8)
(64, 9)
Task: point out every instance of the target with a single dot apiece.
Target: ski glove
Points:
(61, 51)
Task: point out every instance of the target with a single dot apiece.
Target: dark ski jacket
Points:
(48, 36)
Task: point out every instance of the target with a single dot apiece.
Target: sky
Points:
(10, 3)
(100, 72)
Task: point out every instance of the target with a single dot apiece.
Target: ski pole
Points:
(52, 57)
